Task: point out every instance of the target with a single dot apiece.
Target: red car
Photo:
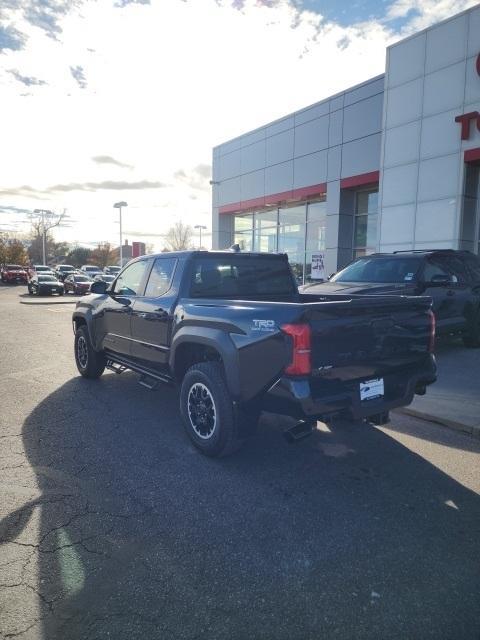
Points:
(13, 273)
(77, 284)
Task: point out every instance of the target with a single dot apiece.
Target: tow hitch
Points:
(299, 431)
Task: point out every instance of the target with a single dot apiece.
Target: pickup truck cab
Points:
(234, 333)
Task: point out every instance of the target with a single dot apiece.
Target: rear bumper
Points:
(304, 398)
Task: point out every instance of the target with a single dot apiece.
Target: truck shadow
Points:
(346, 533)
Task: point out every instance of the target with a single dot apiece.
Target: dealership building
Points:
(390, 164)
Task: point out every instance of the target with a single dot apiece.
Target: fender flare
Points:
(217, 340)
(86, 315)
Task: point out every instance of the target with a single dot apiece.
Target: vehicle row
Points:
(77, 283)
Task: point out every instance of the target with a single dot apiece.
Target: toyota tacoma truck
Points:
(232, 331)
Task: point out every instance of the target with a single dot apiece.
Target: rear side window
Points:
(456, 266)
(473, 266)
(232, 276)
(160, 277)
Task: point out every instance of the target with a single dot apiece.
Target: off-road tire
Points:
(90, 363)
(225, 437)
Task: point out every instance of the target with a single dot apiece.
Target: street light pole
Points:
(200, 227)
(119, 205)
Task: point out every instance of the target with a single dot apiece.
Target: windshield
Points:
(92, 269)
(46, 279)
(82, 279)
(114, 269)
(66, 267)
(42, 269)
(14, 266)
(380, 269)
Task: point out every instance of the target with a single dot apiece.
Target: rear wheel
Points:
(208, 413)
(90, 363)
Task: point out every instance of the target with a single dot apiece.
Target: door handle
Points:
(142, 315)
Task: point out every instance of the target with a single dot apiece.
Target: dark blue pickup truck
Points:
(234, 333)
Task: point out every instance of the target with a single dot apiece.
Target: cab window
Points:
(129, 282)
(160, 277)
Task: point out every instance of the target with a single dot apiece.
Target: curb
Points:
(472, 430)
(49, 302)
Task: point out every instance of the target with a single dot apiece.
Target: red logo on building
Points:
(466, 118)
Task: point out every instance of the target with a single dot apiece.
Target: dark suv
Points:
(451, 278)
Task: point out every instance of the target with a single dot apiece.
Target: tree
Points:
(43, 221)
(102, 255)
(179, 237)
(79, 256)
(3, 248)
(16, 253)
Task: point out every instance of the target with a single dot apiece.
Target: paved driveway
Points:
(112, 526)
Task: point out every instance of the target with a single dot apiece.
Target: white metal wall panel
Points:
(252, 185)
(398, 224)
(446, 43)
(401, 144)
(311, 136)
(361, 156)
(252, 157)
(279, 147)
(279, 178)
(311, 169)
(406, 60)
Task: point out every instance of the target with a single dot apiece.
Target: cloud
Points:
(79, 75)
(110, 160)
(26, 80)
(108, 185)
(196, 178)
(11, 38)
(124, 3)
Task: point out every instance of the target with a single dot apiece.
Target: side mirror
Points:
(440, 280)
(98, 287)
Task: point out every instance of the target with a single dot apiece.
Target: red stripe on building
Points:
(472, 155)
(275, 199)
(362, 180)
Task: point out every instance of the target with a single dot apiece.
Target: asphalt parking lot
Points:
(113, 526)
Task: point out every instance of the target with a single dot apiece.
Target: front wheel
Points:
(207, 410)
(90, 363)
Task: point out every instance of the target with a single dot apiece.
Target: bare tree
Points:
(43, 220)
(179, 237)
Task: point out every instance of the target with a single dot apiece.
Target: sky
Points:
(123, 100)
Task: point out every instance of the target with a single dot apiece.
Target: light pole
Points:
(200, 227)
(119, 205)
(42, 212)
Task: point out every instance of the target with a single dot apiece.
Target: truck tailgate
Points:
(367, 336)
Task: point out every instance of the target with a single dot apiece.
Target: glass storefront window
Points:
(244, 223)
(316, 226)
(266, 232)
(366, 217)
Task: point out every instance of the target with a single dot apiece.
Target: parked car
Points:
(64, 270)
(211, 322)
(38, 269)
(90, 270)
(451, 278)
(112, 269)
(78, 284)
(45, 284)
(13, 273)
(104, 277)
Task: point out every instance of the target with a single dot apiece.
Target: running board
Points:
(148, 379)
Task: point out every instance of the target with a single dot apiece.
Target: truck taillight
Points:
(301, 339)
(431, 341)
